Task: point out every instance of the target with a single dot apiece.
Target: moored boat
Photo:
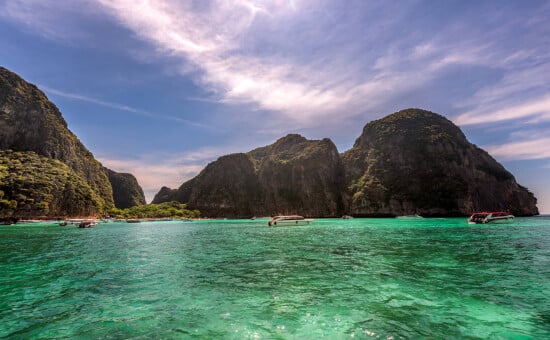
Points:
(410, 216)
(8, 220)
(289, 220)
(490, 217)
(87, 224)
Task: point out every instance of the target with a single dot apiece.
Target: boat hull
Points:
(290, 223)
(492, 220)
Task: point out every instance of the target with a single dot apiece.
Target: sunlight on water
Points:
(359, 278)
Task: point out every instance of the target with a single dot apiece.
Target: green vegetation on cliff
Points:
(293, 175)
(29, 122)
(411, 162)
(36, 186)
(418, 162)
(162, 210)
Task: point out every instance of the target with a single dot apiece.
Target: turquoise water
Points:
(337, 279)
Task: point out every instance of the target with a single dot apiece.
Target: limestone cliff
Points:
(293, 175)
(165, 194)
(300, 176)
(126, 190)
(36, 186)
(411, 162)
(418, 162)
(29, 122)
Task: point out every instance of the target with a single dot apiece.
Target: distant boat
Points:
(133, 220)
(8, 221)
(289, 220)
(490, 217)
(410, 216)
(87, 224)
(347, 217)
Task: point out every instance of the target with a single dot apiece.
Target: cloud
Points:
(210, 39)
(218, 39)
(528, 149)
(118, 106)
(537, 110)
(159, 169)
(42, 17)
(309, 63)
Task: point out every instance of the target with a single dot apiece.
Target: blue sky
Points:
(161, 88)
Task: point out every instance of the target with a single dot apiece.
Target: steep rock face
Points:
(126, 190)
(300, 176)
(293, 175)
(36, 186)
(227, 187)
(418, 162)
(30, 122)
(165, 194)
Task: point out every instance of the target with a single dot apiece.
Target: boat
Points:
(87, 224)
(490, 217)
(347, 217)
(289, 220)
(8, 221)
(133, 220)
(410, 216)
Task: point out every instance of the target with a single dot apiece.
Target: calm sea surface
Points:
(337, 279)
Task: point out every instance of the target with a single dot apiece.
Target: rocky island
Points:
(418, 162)
(411, 162)
(293, 174)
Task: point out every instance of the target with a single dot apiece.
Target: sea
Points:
(436, 278)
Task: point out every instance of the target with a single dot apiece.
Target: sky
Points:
(161, 88)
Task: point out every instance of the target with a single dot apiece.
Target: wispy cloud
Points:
(42, 17)
(293, 58)
(536, 110)
(118, 106)
(159, 169)
(522, 150)
(212, 38)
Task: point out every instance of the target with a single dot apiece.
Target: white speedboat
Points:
(289, 220)
(490, 217)
(410, 216)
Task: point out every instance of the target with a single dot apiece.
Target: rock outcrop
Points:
(411, 162)
(418, 162)
(36, 186)
(126, 190)
(29, 122)
(300, 176)
(293, 175)
(166, 194)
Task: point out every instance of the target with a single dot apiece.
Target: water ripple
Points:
(363, 278)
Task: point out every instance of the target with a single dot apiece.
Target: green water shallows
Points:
(362, 278)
